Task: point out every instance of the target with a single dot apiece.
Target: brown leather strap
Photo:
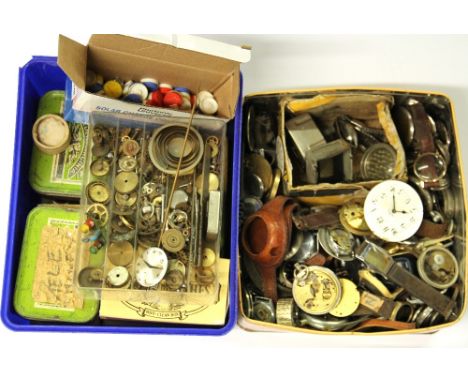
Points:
(375, 323)
(317, 259)
(432, 230)
(419, 289)
(316, 217)
(423, 137)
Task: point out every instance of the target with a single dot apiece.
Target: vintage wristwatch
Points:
(378, 260)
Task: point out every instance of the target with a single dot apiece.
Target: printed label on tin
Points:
(68, 167)
(53, 280)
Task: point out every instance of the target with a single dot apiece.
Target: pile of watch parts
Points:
(148, 91)
(380, 246)
(141, 231)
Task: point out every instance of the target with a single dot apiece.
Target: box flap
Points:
(201, 45)
(72, 58)
(144, 48)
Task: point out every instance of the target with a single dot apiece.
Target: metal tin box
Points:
(264, 121)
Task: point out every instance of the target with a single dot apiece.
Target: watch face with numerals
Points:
(393, 210)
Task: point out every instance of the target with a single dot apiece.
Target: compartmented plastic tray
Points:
(129, 176)
(38, 76)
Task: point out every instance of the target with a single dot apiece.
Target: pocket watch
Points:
(393, 210)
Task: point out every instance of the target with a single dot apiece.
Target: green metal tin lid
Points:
(44, 285)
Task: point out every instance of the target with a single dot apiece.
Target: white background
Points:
(437, 63)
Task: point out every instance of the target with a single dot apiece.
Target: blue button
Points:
(134, 98)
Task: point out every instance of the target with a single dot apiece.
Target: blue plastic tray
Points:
(37, 77)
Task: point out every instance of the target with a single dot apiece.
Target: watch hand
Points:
(394, 207)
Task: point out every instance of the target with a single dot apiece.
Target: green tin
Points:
(59, 175)
(44, 288)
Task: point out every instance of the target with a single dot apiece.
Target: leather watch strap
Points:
(316, 217)
(423, 137)
(375, 323)
(419, 289)
(432, 230)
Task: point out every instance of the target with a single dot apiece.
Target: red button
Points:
(156, 99)
(172, 100)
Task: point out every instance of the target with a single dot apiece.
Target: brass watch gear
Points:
(126, 200)
(174, 279)
(127, 163)
(352, 218)
(126, 182)
(100, 167)
(98, 192)
(173, 241)
(130, 147)
(90, 277)
(205, 276)
(120, 253)
(99, 213)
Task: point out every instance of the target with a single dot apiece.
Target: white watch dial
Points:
(393, 210)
